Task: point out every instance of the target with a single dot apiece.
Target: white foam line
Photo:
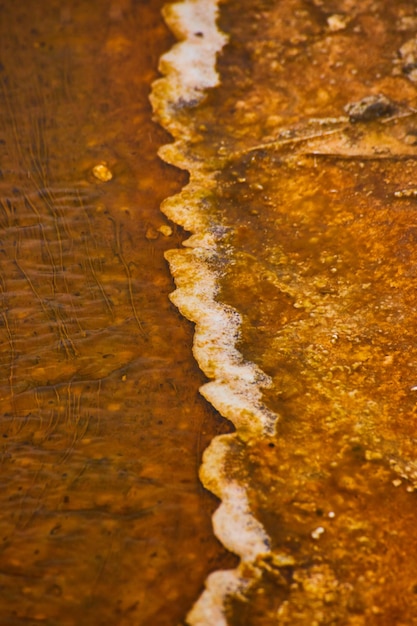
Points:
(190, 66)
(209, 608)
(238, 530)
(233, 522)
(235, 390)
(189, 69)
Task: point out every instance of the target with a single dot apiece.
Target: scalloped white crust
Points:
(189, 69)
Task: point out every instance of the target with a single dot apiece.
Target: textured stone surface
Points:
(310, 139)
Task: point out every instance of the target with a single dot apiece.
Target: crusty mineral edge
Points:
(234, 388)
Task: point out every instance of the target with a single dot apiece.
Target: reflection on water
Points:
(102, 515)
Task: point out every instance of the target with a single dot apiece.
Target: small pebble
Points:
(165, 230)
(102, 173)
(337, 22)
(316, 534)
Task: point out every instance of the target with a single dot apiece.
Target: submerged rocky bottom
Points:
(102, 429)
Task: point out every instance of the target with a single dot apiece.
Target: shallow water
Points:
(102, 429)
(303, 168)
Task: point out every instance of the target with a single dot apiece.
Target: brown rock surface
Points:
(311, 140)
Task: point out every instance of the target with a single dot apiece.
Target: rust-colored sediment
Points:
(102, 516)
(310, 142)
